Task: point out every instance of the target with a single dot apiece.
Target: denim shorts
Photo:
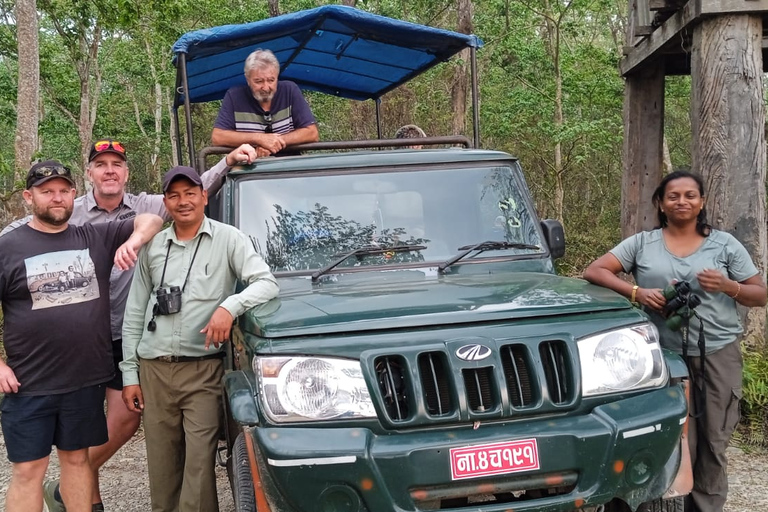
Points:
(70, 421)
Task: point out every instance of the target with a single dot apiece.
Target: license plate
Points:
(494, 459)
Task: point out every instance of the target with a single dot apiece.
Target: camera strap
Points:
(699, 398)
(152, 325)
(165, 264)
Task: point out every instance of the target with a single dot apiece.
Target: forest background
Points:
(550, 94)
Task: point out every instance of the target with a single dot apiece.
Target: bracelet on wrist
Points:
(738, 291)
(634, 294)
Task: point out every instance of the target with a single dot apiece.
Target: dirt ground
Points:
(124, 480)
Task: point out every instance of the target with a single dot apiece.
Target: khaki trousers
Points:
(182, 404)
(710, 433)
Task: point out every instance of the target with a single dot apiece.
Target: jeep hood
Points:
(399, 299)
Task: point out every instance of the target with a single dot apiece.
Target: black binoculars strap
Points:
(699, 397)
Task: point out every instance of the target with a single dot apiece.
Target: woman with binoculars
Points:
(688, 273)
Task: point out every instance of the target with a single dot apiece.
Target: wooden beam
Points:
(643, 30)
(650, 47)
(713, 7)
(642, 151)
(664, 5)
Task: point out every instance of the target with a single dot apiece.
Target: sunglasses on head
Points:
(103, 145)
(51, 170)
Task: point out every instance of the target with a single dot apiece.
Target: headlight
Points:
(312, 389)
(622, 360)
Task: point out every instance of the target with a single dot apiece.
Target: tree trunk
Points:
(26, 142)
(728, 125)
(172, 129)
(460, 87)
(643, 142)
(274, 8)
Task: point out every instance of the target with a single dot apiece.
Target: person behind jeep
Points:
(410, 131)
(268, 113)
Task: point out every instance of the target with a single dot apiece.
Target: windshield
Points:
(303, 222)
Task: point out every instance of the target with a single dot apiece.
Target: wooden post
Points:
(728, 125)
(643, 142)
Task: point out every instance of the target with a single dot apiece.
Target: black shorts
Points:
(117, 357)
(71, 421)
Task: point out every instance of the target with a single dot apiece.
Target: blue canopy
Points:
(333, 49)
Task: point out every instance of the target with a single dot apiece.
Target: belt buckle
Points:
(167, 359)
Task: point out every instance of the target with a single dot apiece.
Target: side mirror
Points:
(555, 237)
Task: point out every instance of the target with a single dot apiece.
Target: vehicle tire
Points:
(671, 505)
(62, 288)
(242, 482)
(84, 284)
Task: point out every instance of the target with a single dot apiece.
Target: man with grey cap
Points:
(180, 310)
(108, 201)
(57, 337)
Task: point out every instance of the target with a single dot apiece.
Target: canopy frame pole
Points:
(378, 117)
(177, 133)
(187, 108)
(475, 98)
(304, 42)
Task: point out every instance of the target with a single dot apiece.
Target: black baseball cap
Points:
(181, 171)
(47, 170)
(107, 146)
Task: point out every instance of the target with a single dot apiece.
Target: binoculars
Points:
(680, 304)
(168, 301)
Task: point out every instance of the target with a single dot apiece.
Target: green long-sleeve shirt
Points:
(225, 256)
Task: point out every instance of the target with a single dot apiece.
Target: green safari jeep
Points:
(422, 354)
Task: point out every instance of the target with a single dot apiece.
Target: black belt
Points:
(188, 359)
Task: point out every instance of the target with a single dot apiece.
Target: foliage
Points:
(312, 239)
(754, 405)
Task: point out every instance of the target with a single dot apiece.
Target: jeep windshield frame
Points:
(301, 221)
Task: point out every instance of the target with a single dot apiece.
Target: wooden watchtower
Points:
(722, 45)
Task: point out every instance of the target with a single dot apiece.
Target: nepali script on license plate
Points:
(494, 459)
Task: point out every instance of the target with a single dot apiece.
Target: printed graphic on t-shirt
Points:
(61, 278)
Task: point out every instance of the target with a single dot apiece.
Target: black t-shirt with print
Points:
(54, 289)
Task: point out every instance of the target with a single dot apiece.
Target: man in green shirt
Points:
(179, 312)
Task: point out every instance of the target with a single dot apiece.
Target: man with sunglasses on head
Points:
(107, 202)
(57, 338)
(269, 113)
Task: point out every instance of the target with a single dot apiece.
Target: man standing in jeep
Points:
(267, 113)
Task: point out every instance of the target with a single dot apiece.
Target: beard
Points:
(53, 217)
(264, 97)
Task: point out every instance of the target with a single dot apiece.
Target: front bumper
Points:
(628, 449)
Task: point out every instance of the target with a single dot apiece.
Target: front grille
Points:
(479, 385)
(516, 366)
(556, 370)
(390, 373)
(417, 387)
(435, 383)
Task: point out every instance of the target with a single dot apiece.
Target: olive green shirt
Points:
(224, 257)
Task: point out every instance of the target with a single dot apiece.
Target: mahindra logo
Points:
(473, 352)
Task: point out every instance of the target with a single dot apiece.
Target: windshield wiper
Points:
(489, 245)
(365, 251)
